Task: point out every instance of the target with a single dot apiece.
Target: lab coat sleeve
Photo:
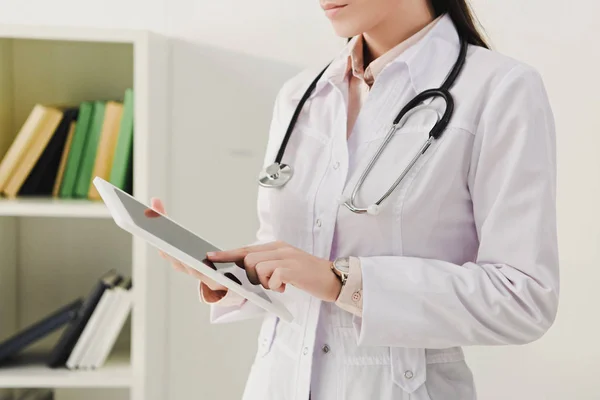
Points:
(509, 295)
(247, 310)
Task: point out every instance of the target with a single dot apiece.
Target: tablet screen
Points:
(170, 232)
(165, 234)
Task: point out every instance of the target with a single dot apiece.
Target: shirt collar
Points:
(429, 60)
(370, 72)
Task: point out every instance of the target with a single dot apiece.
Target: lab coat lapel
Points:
(423, 66)
(432, 58)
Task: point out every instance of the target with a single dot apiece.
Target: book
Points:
(97, 320)
(62, 350)
(102, 330)
(6, 394)
(88, 157)
(33, 153)
(20, 341)
(36, 394)
(84, 119)
(21, 144)
(108, 333)
(40, 181)
(121, 171)
(106, 145)
(63, 160)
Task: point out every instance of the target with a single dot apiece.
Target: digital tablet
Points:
(162, 232)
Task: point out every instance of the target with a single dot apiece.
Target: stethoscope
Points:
(278, 174)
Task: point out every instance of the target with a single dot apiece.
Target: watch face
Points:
(342, 265)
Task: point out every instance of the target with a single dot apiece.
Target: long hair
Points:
(463, 19)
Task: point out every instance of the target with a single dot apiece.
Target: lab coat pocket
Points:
(259, 379)
(392, 160)
(364, 370)
(267, 335)
(449, 381)
(409, 369)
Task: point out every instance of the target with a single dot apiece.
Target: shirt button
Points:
(336, 165)
(319, 223)
(408, 374)
(305, 351)
(356, 296)
(326, 349)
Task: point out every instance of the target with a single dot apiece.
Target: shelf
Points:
(25, 374)
(59, 246)
(49, 207)
(70, 33)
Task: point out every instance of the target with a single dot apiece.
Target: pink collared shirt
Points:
(360, 81)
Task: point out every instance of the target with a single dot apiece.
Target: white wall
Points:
(286, 30)
(561, 40)
(106, 13)
(239, 52)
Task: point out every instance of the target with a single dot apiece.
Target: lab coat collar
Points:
(429, 61)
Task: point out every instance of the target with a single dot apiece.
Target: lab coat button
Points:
(336, 165)
(408, 374)
(326, 349)
(319, 223)
(305, 351)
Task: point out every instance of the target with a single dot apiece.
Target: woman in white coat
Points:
(464, 250)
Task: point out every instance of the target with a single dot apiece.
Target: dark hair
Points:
(464, 20)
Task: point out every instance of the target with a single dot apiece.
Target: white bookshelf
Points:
(48, 207)
(55, 250)
(116, 374)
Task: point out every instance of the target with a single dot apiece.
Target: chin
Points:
(349, 24)
(345, 29)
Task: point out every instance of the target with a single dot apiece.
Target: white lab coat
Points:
(464, 252)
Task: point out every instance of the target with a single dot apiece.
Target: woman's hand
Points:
(211, 290)
(276, 264)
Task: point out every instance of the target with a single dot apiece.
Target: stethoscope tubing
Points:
(349, 204)
(296, 114)
(274, 180)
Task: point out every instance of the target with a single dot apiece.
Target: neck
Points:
(406, 20)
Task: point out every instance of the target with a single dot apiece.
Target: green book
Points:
(121, 167)
(88, 159)
(77, 147)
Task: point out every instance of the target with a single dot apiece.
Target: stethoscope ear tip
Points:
(373, 209)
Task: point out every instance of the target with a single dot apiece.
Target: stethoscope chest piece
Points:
(275, 175)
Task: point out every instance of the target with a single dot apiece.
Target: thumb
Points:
(157, 204)
(156, 208)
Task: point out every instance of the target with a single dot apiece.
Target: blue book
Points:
(15, 344)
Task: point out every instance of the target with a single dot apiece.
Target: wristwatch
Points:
(341, 267)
